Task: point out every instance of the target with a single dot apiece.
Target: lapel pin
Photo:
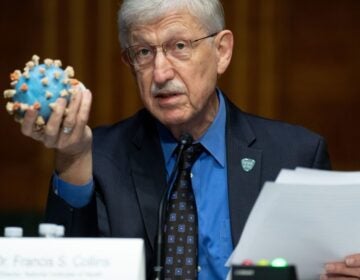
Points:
(247, 164)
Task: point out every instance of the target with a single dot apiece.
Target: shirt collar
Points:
(213, 140)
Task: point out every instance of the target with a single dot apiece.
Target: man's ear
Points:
(125, 60)
(224, 47)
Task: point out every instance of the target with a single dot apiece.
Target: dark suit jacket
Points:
(129, 174)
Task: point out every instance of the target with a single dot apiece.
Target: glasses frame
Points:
(154, 48)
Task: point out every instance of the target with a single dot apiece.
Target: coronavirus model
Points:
(38, 87)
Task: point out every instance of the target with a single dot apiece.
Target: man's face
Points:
(179, 93)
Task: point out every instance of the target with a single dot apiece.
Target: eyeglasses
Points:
(142, 55)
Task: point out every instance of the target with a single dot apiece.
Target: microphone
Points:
(185, 140)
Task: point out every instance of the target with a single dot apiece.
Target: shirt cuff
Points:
(75, 195)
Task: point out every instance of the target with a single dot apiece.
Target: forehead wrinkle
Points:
(165, 28)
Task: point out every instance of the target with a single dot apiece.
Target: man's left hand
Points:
(347, 269)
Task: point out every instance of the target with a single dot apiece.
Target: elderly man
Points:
(109, 181)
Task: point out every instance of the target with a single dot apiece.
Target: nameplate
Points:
(72, 258)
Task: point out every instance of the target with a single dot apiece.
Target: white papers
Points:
(310, 218)
(319, 177)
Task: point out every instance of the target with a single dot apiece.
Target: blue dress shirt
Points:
(209, 182)
(211, 194)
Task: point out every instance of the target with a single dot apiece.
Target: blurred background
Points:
(294, 60)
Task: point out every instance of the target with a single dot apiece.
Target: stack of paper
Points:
(309, 217)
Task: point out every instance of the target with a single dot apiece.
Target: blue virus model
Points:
(38, 87)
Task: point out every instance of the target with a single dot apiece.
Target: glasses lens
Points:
(140, 55)
(143, 54)
(180, 49)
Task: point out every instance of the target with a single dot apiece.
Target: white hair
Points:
(209, 12)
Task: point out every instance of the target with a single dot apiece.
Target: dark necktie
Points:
(181, 228)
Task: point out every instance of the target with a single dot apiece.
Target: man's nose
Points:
(163, 68)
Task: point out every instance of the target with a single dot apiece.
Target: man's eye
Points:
(143, 52)
(180, 45)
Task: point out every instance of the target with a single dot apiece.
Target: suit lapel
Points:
(148, 173)
(244, 186)
(147, 160)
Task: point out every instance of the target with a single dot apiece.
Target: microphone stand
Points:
(185, 140)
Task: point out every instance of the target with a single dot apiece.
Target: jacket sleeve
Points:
(77, 221)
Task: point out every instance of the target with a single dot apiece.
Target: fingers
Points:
(339, 268)
(353, 260)
(64, 121)
(28, 123)
(348, 269)
(32, 125)
(71, 113)
(75, 135)
(53, 125)
(79, 120)
(67, 123)
(337, 277)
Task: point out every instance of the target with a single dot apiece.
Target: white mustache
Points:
(169, 87)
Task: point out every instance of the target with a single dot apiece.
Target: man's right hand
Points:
(68, 133)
